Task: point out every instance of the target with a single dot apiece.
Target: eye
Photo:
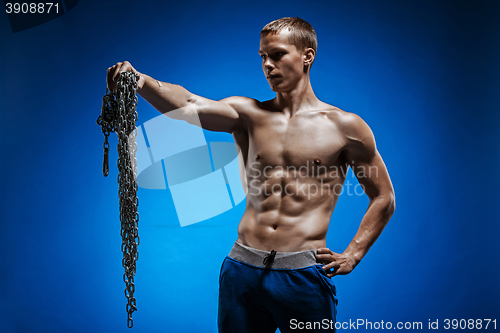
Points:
(263, 56)
(276, 56)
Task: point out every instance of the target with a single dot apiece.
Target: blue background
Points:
(424, 75)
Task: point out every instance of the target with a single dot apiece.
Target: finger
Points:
(109, 77)
(323, 261)
(344, 270)
(337, 272)
(330, 272)
(117, 70)
(324, 250)
(324, 256)
(331, 266)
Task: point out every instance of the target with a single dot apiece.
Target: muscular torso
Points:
(294, 170)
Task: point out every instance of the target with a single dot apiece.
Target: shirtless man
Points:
(295, 152)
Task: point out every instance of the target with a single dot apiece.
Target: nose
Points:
(268, 64)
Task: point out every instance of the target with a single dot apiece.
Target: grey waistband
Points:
(282, 260)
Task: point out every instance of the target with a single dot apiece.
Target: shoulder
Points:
(353, 127)
(247, 108)
(243, 108)
(359, 139)
(240, 103)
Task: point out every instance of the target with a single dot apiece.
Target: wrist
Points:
(355, 256)
(141, 81)
(146, 81)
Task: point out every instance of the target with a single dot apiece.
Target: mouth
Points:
(270, 77)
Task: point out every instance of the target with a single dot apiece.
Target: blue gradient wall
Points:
(423, 75)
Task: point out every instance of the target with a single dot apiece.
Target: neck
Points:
(300, 98)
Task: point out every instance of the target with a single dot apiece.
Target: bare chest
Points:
(311, 139)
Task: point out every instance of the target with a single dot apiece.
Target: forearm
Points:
(163, 96)
(374, 221)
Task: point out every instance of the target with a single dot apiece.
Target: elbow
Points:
(390, 204)
(386, 204)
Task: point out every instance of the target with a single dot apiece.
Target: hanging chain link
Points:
(119, 114)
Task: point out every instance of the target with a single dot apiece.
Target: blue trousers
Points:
(256, 299)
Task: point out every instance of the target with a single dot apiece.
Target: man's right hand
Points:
(121, 67)
(218, 116)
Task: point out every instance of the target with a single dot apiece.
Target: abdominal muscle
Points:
(288, 214)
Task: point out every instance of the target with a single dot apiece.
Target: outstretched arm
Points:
(220, 116)
(361, 154)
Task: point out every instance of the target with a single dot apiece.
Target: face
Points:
(282, 63)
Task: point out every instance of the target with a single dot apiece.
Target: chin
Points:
(278, 89)
(281, 87)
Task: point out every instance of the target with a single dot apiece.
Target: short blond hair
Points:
(302, 33)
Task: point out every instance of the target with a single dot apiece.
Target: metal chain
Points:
(119, 114)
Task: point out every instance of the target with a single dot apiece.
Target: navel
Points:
(317, 161)
(257, 156)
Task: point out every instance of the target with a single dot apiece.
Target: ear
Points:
(308, 56)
